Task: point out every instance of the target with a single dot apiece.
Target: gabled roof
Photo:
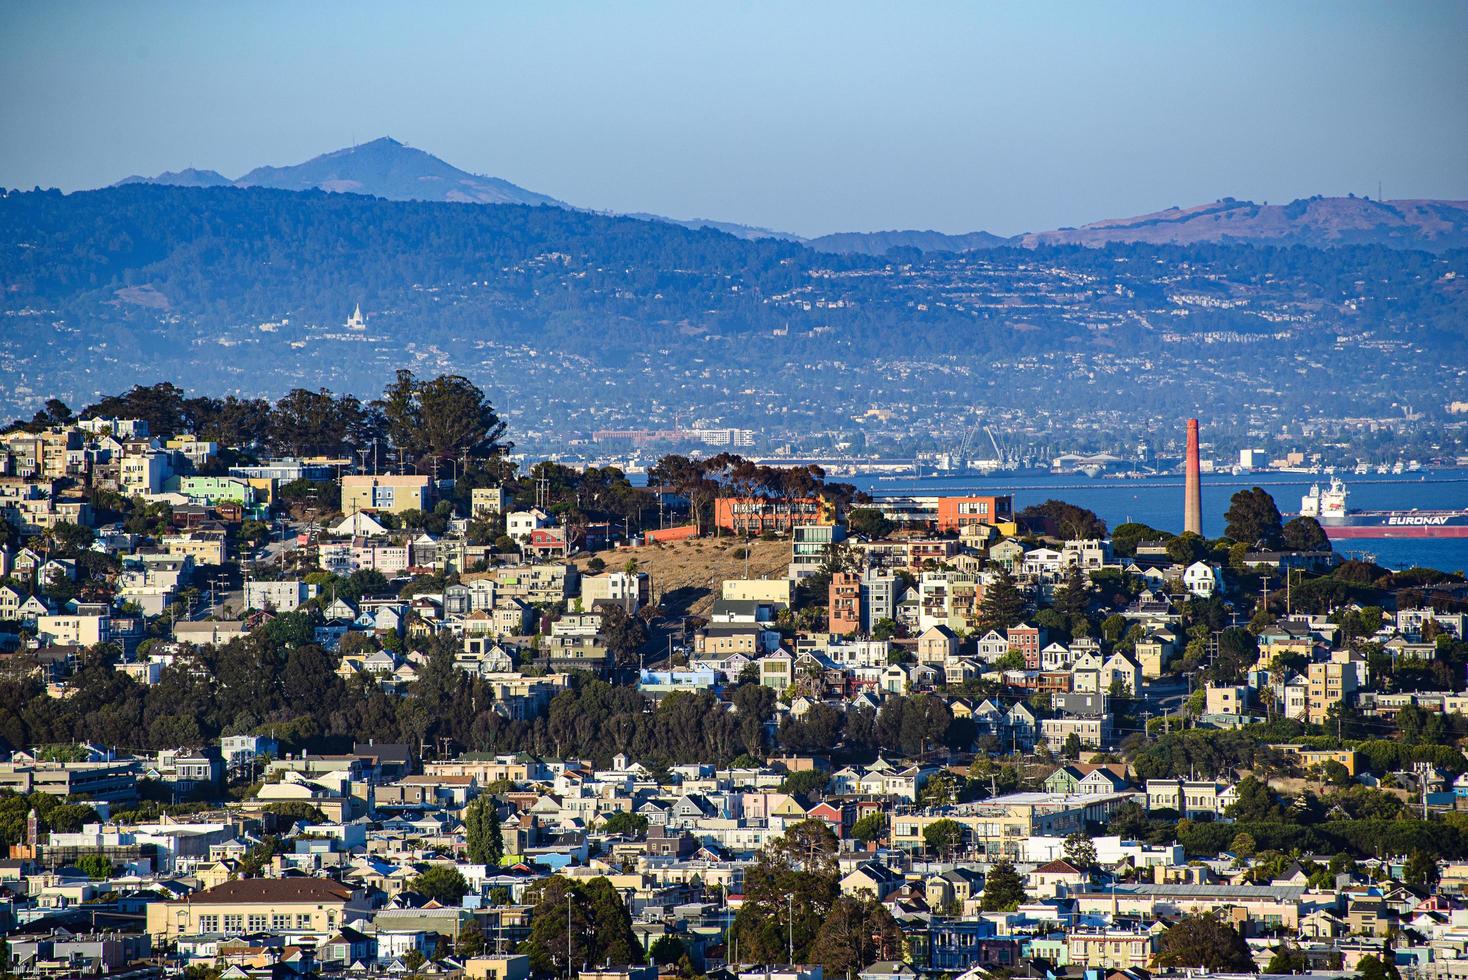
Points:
(1058, 868)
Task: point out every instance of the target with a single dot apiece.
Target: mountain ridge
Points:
(1317, 221)
(392, 170)
(383, 167)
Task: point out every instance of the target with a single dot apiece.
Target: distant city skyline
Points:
(809, 118)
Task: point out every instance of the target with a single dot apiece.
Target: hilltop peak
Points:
(383, 167)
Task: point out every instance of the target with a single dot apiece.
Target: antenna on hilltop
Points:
(1379, 198)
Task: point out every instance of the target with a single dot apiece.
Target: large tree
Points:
(561, 934)
(1305, 534)
(1058, 519)
(868, 522)
(808, 846)
(442, 883)
(1003, 604)
(624, 633)
(1254, 802)
(486, 842)
(1080, 852)
(616, 943)
(160, 405)
(944, 838)
(855, 934)
(600, 926)
(1204, 941)
(440, 420)
(306, 423)
(788, 893)
(1073, 598)
(1004, 889)
(1253, 518)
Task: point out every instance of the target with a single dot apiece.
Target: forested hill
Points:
(247, 289)
(242, 253)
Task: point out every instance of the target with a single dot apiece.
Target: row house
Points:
(1191, 798)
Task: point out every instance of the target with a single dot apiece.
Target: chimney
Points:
(1192, 495)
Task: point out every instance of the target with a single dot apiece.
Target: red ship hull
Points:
(1388, 531)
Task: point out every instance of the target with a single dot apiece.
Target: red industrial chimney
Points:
(1192, 495)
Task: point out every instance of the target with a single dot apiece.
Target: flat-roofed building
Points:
(1001, 826)
(485, 501)
(757, 515)
(113, 781)
(1268, 906)
(392, 494)
(777, 591)
(955, 513)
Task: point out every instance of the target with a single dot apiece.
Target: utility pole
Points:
(790, 904)
(568, 936)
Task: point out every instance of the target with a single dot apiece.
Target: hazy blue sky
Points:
(805, 116)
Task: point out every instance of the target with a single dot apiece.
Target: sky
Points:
(808, 116)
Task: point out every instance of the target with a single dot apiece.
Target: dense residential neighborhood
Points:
(328, 687)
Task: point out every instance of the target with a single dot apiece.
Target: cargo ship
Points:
(1329, 508)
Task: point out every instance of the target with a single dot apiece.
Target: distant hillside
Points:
(750, 232)
(382, 168)
(388, 169)
(582, 320)
(878, 242)
(188, 177)
(1322, 222)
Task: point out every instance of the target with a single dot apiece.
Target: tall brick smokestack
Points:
(1192, 494)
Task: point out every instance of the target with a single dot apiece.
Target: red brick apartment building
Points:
(957, 512)
(756, 515)
(1028, 640)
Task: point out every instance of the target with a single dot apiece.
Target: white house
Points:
(1202, 579)
(992, 646)
(520, 523)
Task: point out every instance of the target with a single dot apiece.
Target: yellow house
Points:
(511, 967)
(313, 905)
(216, 874)
(390, 493)
(264, 488)
(1310, 758)
(787, 806)
(205, 547)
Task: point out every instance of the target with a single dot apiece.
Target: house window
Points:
(280, 920)
(258, 921)
(234, 923)
(303, 920)
(208, 923)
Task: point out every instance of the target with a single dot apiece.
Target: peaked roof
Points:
(1058, 868)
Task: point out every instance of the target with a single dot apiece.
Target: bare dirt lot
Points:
(686, 574)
